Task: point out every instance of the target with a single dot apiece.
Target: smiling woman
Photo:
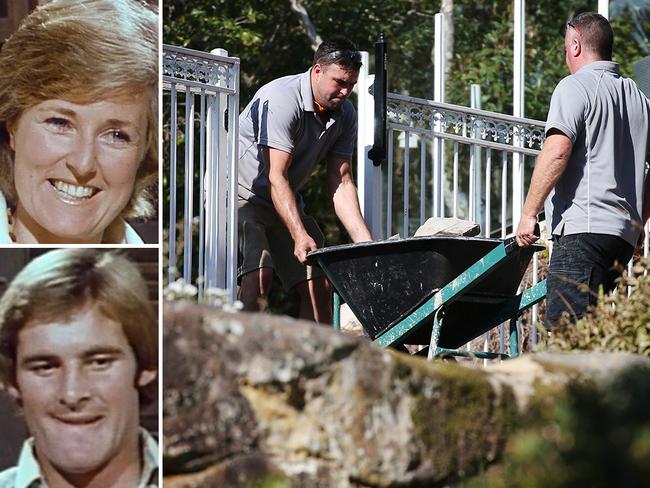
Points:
(78, 123)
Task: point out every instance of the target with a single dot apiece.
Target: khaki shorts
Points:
(264, 241)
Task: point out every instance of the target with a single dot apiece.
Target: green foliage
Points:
(617, 323)
(271, 42)
(590, 436)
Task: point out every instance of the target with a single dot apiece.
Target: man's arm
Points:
(345, 199)
(284, 200)
(551, 163)
(645, 214)
(645, 210)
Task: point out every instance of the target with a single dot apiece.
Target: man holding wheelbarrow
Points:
(290, 125)
(591, 172)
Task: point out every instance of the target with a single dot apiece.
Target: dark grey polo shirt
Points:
(608, 120)
(281, 115)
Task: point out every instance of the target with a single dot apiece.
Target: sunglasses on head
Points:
(569, 24)
(345, 55)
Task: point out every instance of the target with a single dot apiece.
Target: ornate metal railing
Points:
(445, 160)
(448, 160)
(200, 71)
(453, 122)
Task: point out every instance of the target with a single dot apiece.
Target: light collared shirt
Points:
(607, 118)
(282, 116)
(27, 473)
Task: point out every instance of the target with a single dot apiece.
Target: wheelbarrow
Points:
(440, 292)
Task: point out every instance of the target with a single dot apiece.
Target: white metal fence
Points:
(201, 95)
(456, 161)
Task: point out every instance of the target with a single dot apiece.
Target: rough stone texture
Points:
(251, 397)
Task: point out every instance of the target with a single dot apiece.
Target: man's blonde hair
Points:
(82, 51)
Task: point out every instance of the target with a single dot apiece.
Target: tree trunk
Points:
(307, 24)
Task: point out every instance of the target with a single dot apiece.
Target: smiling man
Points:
(78, 352)
(290, 125)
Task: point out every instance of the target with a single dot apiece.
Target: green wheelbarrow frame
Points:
(438, 303)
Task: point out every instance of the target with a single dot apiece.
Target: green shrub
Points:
(618, 323)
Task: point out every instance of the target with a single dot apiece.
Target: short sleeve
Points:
(344, 146)
(274, 122)
(568, 108)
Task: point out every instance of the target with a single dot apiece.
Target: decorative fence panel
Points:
(201, 106)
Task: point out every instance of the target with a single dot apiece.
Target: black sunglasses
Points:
(569, 24)
(345, 55)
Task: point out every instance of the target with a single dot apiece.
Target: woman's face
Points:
(75, 165)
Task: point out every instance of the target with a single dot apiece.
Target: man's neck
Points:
(586, 60)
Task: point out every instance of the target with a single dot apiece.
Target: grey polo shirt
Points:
(607, 118)
(281, 115)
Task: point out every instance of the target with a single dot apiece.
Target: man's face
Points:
(333, 85)
(76, 381)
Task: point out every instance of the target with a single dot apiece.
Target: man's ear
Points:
(146, 376)
(576, 46)
(15, 394)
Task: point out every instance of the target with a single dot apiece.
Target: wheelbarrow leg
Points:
(336, 319)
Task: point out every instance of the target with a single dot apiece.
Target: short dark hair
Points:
(338, 50)
(596, 34)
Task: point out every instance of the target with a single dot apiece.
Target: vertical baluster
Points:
(173, 140)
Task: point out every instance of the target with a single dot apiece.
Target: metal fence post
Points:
(518, 83)
(368, 175)
(438, 96)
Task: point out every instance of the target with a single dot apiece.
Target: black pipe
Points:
(378, 151)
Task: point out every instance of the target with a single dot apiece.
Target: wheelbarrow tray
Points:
(384, 281)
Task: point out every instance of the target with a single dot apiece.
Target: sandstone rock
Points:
(250, 397)
(448, 226)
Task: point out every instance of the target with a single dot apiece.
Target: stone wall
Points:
(251, 398)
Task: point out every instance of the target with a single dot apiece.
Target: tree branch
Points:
(307, 25)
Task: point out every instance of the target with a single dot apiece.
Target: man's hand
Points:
(526, 236)
(303, 245)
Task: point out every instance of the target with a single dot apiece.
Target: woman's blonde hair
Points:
(82, 51)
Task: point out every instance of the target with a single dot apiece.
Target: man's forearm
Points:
(551, 163)
(346, 207)
(284, 201)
